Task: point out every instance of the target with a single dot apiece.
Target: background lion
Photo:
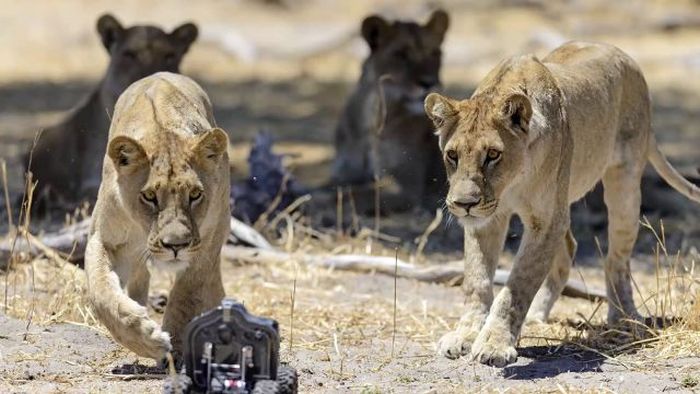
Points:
(391, 136)
(67, 160)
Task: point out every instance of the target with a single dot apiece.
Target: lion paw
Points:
(454, 344)
(143, 336)
(155, 342)
(493, 350)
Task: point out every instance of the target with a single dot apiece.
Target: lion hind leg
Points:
(622, 196)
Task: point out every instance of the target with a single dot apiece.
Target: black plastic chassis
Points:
(228, 350)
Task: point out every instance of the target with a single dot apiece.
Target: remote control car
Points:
(229, 351)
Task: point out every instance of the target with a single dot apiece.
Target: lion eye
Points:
(492, 155)
(452, 156)
(195, 194)
(149, 197)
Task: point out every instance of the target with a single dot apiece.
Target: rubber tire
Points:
(287, 380)
(181, 381)
(265, 387)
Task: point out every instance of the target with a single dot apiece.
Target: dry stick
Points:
(290, 208)
(339, 211)
(262, 220)
(423, 239)
(661, 244)
(379, 129)
(8, 207)
(289, 243)
(673, 274)
(291, 313)
(667, 297)
(656, 263)
(663, 232)
(648, 225)
(25, 230)
(396, 276)
(27, 180)
(353, 211)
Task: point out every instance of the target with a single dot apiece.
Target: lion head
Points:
(139, 51)
(408, 53)
(483, 142)
(174, 189)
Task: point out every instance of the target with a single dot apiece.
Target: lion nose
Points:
(174, 244)
(467, 202)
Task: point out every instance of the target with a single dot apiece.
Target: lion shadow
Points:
(551, 361)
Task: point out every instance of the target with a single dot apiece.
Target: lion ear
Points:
(438, 23)
(184, 35)
(211, 145)
(127, 154)
(110, 30)
(439, 109)
(374, 30)
(518, 110)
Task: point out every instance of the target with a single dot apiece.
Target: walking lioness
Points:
(162, 204)
(535, 137)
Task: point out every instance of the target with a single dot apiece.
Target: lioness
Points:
(535, 137)
(67, 160)
(162, 204)
(408, 55)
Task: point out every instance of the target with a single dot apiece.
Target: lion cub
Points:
(162, 204)
(67, 160)
(536, 136)
(406, 57)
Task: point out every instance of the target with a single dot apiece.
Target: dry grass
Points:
(334, 315)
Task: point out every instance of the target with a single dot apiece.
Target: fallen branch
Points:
(69, 244)
(243, 233)
(450, 273)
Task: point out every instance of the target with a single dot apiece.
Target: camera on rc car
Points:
(229, 351)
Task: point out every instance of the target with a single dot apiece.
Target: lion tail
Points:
(670, 174)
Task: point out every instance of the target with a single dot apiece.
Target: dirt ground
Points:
(288, 70)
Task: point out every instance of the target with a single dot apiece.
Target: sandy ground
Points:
(343, 339)
(288, 70)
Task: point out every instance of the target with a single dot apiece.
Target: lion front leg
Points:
(495, 344)
(481, 248)
(126, 320)
(194, 292)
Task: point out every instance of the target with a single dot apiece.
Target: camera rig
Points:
(229, 351)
